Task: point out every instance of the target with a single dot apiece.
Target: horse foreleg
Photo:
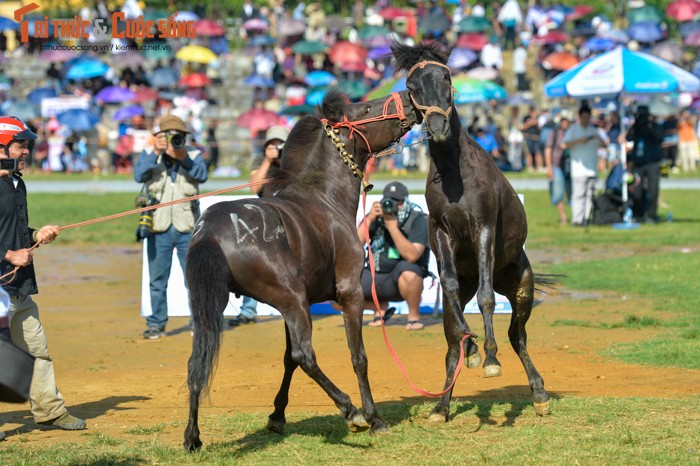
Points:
(455, 327)
(352, 315)
(487, 299)
(521, 299)
(299, 323)
(277, 420)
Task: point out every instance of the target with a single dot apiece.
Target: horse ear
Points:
(402, 54)
(334, 105)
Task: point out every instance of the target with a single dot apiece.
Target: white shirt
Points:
(520, 60)
(584, 156)
(491, 56)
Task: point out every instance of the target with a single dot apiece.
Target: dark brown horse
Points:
(294, 248)
(477, 226)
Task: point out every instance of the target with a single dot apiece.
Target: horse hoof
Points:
(192, 445)
(492, 371)
(473, 360)
(357, 423)
(379, 428)
(542, 409)
(275, 426)
(437, 417)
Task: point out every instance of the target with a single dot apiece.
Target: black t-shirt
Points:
(418, 234)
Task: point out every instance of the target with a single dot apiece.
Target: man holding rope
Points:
(171, 170)
(16, 240)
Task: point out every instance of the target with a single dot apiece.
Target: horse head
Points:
(373, 125)
(429, 83)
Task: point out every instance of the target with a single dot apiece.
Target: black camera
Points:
(177, 140)
(390, 206)
(279, 151)
(145, 221)
(9, 164)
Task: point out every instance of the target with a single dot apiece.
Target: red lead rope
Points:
(13, 273)
(398, 362)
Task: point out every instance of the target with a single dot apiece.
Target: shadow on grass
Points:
(487, 406)
(90, 410)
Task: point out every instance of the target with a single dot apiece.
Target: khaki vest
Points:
(161, 187)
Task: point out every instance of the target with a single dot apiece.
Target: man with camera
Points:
(171, 170)
(645, 159)
(398, 232)
(16, 239)
(582, 140)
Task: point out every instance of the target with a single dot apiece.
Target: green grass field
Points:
(657, 262)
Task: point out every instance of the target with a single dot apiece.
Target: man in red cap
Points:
(16, 239)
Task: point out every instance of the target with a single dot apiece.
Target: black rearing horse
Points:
(295, 248)
(477, 226)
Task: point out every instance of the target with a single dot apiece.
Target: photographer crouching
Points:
(171, 170)
(398, 232)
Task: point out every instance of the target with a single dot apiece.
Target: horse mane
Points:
(301, 164)
(406, 56)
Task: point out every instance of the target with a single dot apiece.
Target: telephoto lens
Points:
(145, 222)
(389, 206)
(177, 140)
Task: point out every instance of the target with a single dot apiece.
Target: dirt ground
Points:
(90, 299)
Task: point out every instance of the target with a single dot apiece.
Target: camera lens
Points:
(389, 206)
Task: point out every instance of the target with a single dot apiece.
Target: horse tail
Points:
(208, 289)
(546, 281)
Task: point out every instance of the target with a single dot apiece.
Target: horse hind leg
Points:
(521, 299)
(299, 322)
(277, 420)
(208, 290)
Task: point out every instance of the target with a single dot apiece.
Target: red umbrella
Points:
(353, 66)
(209, 28)
(579, 12)
(344, 52)
(559, 61)
(683, 10)
(259, 119)
(194, 80)
(392, 12)
(472, 40)
(145, 94)
(552, 37)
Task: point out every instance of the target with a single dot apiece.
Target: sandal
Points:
(387, 315)
(414, 325)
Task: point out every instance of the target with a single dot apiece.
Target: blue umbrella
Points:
(622, 70)
(262, 40)
(163, 77)
(6, 24)
(319, 78)
(39, 94)
(315, 96)
(187, 16)
(687, 29)
(461, 58)
(645, 31)
(599, 44)
(113, 94)
(616, 35)
(78, 119)
(218, 45)
(379, 53)
(87, 69)
(128, 112)
(259, 81)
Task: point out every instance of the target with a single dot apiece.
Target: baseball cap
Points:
(396, 190)
(276, 132)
